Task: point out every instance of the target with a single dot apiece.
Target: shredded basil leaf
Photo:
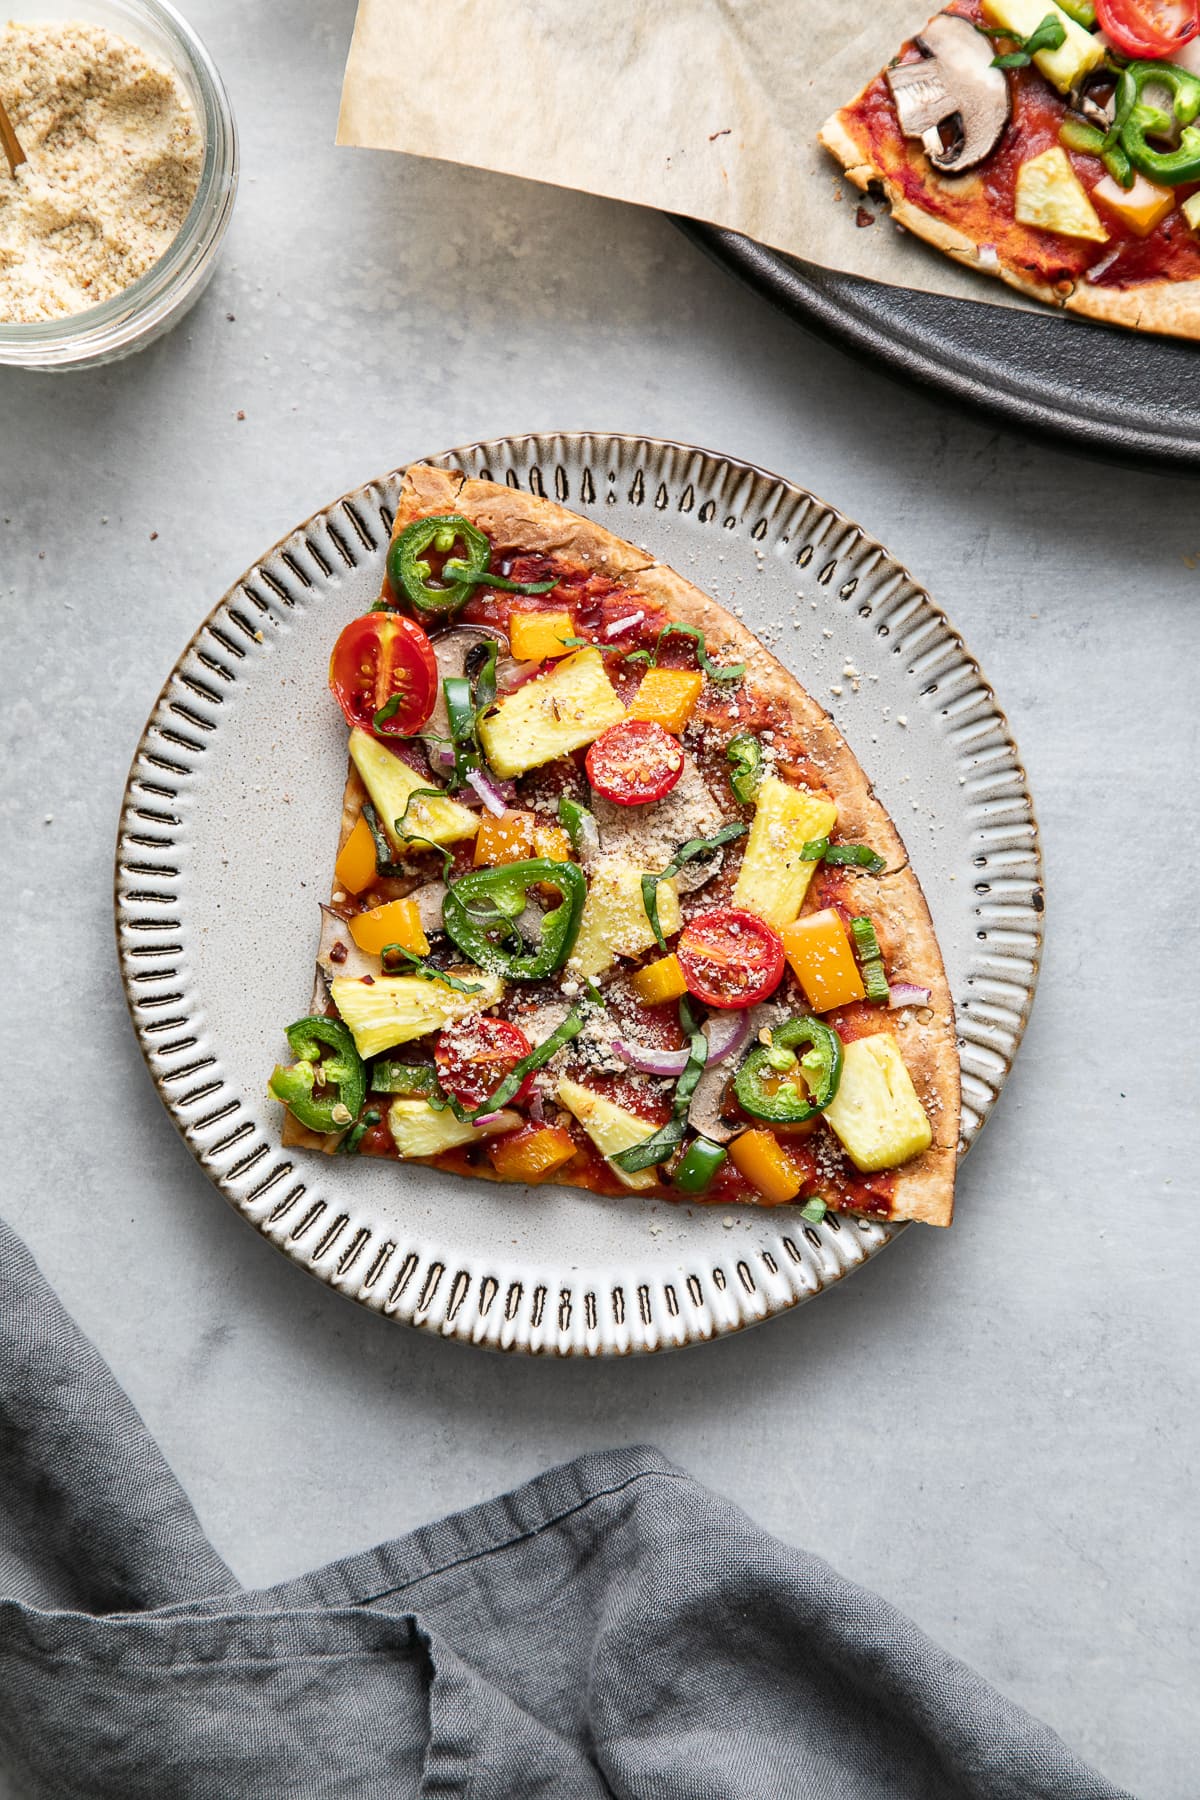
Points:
(659, 1145)
(409, 838)
(387, 711)
(354, 1137)
(484, 578)
(814, 1210)
(384, 864)
(418, 966)
(854, 856)
(714, 671)
(841, 856)
(538, 1057)
(646, 656)
(701, 846)
(651, 1150)
(1051, 34)
(485, 681)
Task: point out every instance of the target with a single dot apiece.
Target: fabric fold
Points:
(607, 1629)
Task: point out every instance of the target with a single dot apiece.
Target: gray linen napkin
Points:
(608, 1629)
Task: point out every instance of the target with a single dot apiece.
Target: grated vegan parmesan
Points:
(114, 152)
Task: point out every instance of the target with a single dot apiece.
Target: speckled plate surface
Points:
(235, 792)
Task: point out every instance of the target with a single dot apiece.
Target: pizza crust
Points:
(1169, 308)
(1166, 308)
(862, 170)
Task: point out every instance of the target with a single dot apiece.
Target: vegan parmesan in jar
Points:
(114, 153)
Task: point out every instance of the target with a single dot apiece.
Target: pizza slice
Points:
(614, 906)
(1021, 140)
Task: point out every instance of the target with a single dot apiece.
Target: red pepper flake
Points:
(864, 217)
(339, 953)
(368, 981)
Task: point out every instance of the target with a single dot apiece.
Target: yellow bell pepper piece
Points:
(537, 635)
(506, 839)
(355, 867)
(819, 951)
(766, 1166)
(667, 697)
(397, 922)
(531, 1155)
(659, 981)
(552, 842)
(1140, 207)
(515, 836)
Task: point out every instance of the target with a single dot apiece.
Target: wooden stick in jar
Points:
(12, 143)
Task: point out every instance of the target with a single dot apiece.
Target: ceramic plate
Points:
(235, 795)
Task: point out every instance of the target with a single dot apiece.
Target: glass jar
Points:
(158, 299)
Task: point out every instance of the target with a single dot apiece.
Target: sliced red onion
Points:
(487, 1118)
(907, 993)
(535, 1106)
(1105, 264)
(650, 1062)
(511, 675)
(441, 756)
(727, 1033)
(488, 790)
(619, 627)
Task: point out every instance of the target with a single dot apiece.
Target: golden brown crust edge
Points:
(925, 1190)
(837, 138)
(1165, 308)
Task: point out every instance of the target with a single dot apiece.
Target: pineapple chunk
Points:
(610, 1128)
(772, 880)
(1191, 210)
(615, 922)
(394, 1009)
(1140, 207)
(391, 783)
(1051, 197)
(419, 1130)
(876, 1113)
(1078, 52)
(559, 712)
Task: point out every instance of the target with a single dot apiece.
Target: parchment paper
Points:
(704, 107)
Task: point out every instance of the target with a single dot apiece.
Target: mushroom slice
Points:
(337, 952)
(952, 88)
(453, 651)
(428, 902)
(705, 1106)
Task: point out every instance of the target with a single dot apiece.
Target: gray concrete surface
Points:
(994, 1427)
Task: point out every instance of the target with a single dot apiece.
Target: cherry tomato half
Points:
(382, 658)
(474, 1055)
(634, 762)
(730, 958)
(1148, 28)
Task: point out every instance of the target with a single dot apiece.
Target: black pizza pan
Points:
(1089, 387)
